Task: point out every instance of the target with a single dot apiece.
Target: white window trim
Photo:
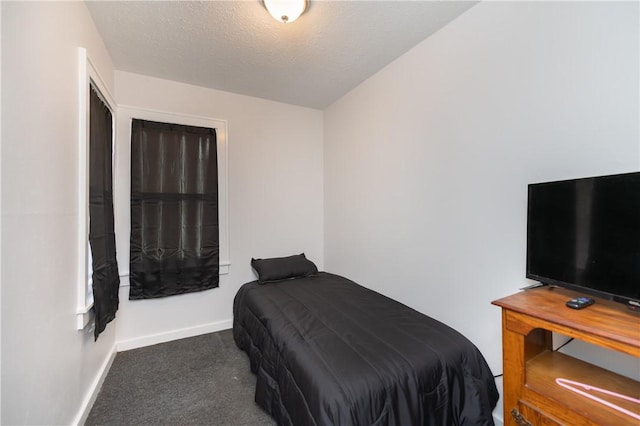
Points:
(125, 116)
(88, 76)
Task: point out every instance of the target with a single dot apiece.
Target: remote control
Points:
(580, 302)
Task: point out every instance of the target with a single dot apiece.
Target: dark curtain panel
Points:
(174, 209)
(106, 280)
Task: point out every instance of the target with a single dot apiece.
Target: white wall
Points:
(427, 162)
(48, 367)
(275, 199)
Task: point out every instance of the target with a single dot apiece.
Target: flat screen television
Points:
(584, 234)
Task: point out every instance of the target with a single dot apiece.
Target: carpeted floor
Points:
(202, 380)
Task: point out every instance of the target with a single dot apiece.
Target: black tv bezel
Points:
(629, 301)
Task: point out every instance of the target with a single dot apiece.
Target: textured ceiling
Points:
(236, 46)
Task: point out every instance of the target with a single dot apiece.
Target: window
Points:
(174, 246)
(98, 278)
(126, 116)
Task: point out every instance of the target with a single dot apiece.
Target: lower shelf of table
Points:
(541, 389)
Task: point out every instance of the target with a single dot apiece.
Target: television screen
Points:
(584, 234)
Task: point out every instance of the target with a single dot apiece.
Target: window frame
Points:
(88, 77)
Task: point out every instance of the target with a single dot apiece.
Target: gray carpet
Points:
(202, 380)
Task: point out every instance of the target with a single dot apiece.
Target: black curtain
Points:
(102, 240)
(174, 210)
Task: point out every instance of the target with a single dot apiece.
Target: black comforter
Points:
(327, 351)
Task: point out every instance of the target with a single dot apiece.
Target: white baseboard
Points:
(153, 339)
(92, 394)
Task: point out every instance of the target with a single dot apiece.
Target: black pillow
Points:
(283, 268)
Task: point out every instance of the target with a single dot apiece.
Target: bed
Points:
(327, 351)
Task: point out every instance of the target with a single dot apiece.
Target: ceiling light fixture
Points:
(286, 11)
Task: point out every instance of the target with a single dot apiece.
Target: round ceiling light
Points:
(286, 11)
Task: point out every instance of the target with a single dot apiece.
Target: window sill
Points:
(83, 316)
